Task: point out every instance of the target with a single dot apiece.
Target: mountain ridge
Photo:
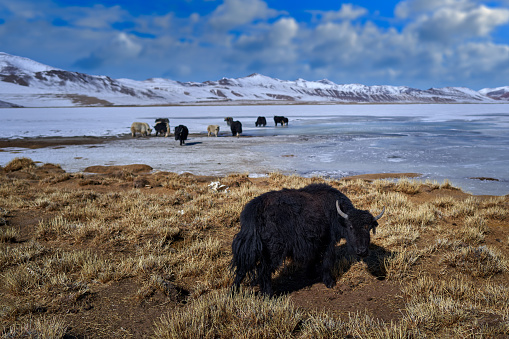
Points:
(25, 82)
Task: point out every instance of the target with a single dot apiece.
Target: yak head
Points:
(358, 224)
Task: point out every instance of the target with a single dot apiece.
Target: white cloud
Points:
(271, 46)
(124, 46)
(350, 53)
(119, 50)
(409, 8)
(347, 12)
(447, 24)
(25, 10)
(478, 59)
(283, 31)
(97, 17)
(156, 23)
(235, 13)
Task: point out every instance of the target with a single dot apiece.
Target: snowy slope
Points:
(28, 83)
(19, 63)
(25, 82)
(500, 93)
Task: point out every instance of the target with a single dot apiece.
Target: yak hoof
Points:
(329, 282)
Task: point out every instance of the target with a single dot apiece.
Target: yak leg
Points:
(240, 275)
(264, 275)
(265, 281)
(313, 268)
(329, 259)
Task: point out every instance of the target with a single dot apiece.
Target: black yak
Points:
(236, 128)
(181, 133)
(162, 126)
(280, 120)
(302, 224)
(261, 121)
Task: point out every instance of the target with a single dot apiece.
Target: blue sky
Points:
(416, 43)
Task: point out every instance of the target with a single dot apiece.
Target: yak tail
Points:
(247, 250)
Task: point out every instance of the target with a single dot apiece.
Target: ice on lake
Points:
(456, 142)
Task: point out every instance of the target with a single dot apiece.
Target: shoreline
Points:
(22, 144)
(42, 142)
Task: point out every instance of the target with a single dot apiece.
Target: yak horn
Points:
(341, 213)
(380, 215)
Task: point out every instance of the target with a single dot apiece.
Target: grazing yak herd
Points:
(162, 127)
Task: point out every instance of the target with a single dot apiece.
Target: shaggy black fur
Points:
(181, 133)
(280, 120)
(236, 128)
(261, 121)
(301, 224)
(162, 126)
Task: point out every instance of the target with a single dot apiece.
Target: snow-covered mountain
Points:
(500, 93)
(28, 83)
(24, 82)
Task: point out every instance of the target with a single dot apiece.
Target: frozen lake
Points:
(453, 141)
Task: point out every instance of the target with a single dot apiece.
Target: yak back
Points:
(359, 218)
(329, 195)
(181, 132)
(291, 221)
(261, 121)
(236, 127)
(162, 127)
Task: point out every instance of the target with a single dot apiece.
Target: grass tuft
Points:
(479, 261)
(18, 164)
(221, 315)
(44, 327)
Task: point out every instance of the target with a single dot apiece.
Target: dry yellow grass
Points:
(220, 314)
(18, 164)
(42, 327)
(66, 239)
